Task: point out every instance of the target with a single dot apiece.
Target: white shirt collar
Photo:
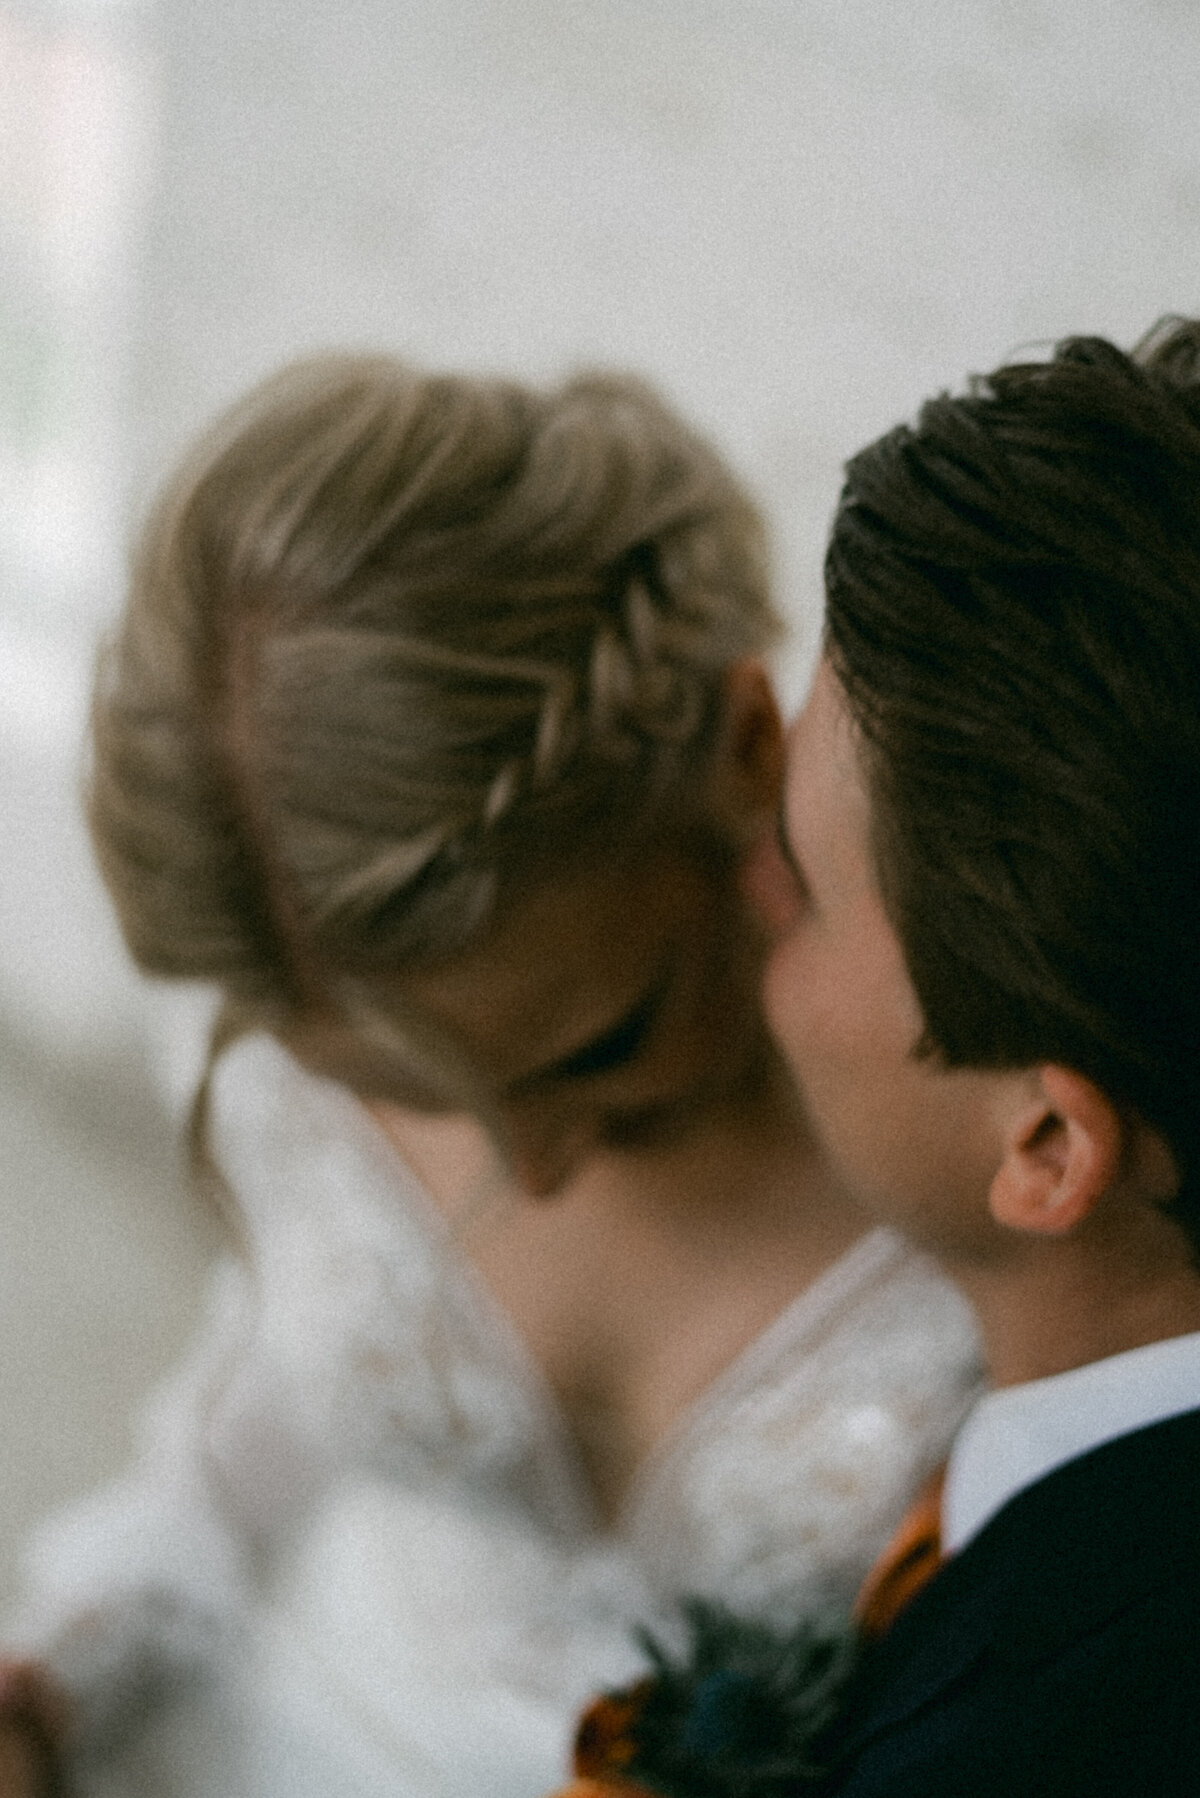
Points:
(1016, 1436)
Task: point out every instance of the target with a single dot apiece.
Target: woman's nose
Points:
(544, 1151)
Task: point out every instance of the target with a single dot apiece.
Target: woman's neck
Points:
(652, 1269)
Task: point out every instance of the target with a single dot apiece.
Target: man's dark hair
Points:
(1014, 613)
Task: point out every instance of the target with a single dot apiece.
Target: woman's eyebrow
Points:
(613, 1047)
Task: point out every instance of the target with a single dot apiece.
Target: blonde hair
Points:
(393, 639)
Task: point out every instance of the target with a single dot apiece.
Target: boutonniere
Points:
(739, 1713)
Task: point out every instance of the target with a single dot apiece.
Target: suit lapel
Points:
(1060, 1559)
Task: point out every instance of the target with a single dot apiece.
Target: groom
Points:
(987, 978)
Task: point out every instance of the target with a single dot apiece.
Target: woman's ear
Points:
(1063, 1149)
(748, 761)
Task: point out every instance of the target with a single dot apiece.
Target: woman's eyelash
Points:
(617, 1046)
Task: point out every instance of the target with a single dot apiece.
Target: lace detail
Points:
(780, 1486)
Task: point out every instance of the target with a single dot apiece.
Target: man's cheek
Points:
(805, 1014)
(782, 997)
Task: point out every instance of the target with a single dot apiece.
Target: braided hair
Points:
(395, 642)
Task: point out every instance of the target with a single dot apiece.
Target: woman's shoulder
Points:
(882, 1344)
(883, 1288)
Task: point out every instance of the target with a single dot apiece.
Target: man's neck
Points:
(1046, 1313)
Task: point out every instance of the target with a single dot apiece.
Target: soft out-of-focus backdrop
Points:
(797, 215)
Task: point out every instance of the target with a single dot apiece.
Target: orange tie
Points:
(909, 1561)
(604, 1746)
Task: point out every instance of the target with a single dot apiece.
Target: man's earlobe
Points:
(748, 764)
(1063, 1150)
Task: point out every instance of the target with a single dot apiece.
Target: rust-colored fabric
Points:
(909, 1561)
(604, 1741)
(605, 1745)
(603, 1788)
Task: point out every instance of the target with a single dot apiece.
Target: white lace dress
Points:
(357, 1552)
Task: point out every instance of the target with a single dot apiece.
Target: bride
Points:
(435, 737)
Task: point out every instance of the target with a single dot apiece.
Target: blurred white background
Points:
(798, 216)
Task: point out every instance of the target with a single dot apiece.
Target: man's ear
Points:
(749, 758)
(1064, 1148)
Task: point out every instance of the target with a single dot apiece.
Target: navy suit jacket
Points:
(1057, 1653)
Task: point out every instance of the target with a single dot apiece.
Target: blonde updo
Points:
(394, 639)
